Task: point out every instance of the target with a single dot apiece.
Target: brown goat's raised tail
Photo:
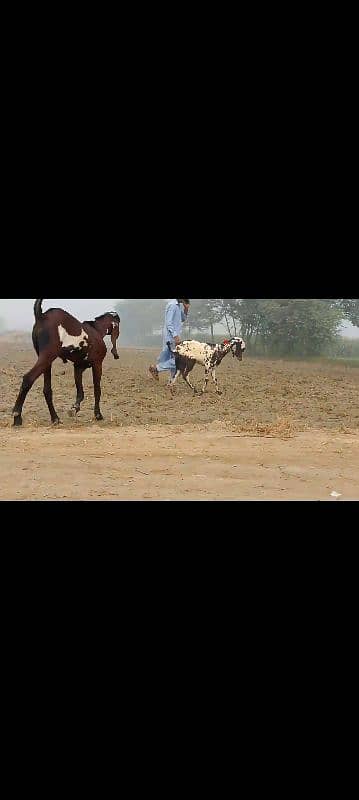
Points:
(38, 310)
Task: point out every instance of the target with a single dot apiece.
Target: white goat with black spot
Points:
(188, 354)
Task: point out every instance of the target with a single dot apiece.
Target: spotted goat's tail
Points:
(38, 310)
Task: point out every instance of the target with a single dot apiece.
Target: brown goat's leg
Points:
(97, 375)
(80, 390)
(48, 396)
(28, 381)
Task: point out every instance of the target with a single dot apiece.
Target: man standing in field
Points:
(175, 315)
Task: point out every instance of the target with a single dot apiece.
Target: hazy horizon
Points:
(18, 314)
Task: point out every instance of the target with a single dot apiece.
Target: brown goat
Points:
(56, 334)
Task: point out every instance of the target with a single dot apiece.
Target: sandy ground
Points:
(137, 464)
(280, 431)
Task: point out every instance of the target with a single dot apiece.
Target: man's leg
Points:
(154, 372)
(165, 362)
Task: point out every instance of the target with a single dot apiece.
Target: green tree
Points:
(204, 315)
(231, 317)
(350, 310)
(348, 307)
(300, 327)
(253, 316)
(284, 326)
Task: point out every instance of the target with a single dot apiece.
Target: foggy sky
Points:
(19, 315)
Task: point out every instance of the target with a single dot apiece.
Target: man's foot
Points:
(154, 372)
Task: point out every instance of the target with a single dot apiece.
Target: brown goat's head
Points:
(113, 330)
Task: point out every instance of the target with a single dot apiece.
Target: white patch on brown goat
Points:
(75, 342)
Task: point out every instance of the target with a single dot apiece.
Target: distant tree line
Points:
(294, 327)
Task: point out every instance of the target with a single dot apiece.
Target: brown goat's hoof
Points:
(17, 422)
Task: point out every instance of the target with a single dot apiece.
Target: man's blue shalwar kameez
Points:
(174, 319)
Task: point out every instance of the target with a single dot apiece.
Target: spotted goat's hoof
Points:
(17, 422)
